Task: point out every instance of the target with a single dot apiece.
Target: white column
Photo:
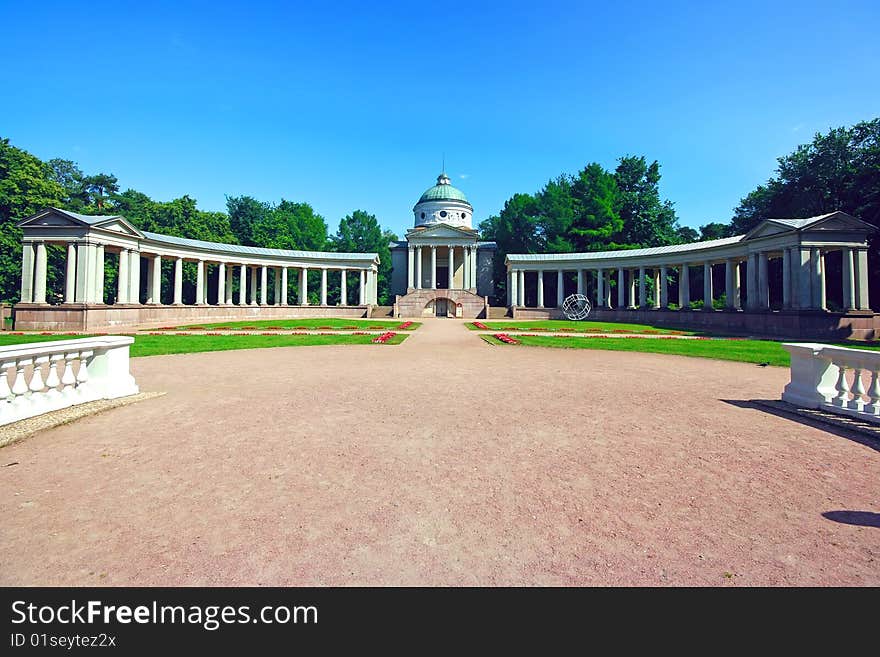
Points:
(419, 279)
(134, 272)
(600, 288)
(40, 274)
(655, 300)
(410, 268)
(729, 287)
(200, 282)
(522, 289)
(821, 280)
(643, 293)
(323, 286)
(374, 275)
(362, 300)
(860, 260)
(27, 272)
(752, 281)
(737, 285)
(707, 286)
(284, 286)
(264, 285)
(763, 282)
(304, 286)
(230, 275)
(343, 288)
(70, 274)
(849, 280)
(684, 287)
(221, 283)
(786, 279)
(664, 288)
(580, 281)
(254, 286)
(451, 250)
(276, 297)
(433, 267)
(475, 254)
(801, 294)
(242, 285)
(509, 287)
(178, 281)
(540, 288)
(99, 273)
(122, 280)
(156, 273)
(816, 275)
(621, 291)
(560, 288)
(466, 267)
(632, 289)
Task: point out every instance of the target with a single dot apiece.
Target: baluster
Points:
(874, 394)
(37, 384)
(5, 392)
(842, 386)
(82, 374)
(20, 390)
(858, 390)
(52, 380)
(68, 380)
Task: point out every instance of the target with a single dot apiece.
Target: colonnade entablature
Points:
(780, 259)
(89, 238)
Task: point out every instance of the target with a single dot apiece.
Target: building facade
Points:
(442, 268)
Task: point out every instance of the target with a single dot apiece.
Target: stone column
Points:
(99, 274)
(608, 290)
(134, 272)
(816, 278)
(178, 281)
(264, 285)
(475, 252)
(242, 285)
(27, 272)
(433, 267)
(509, 288)
(621, 290)
(465, 268)
(122, 279)
(860, 261)
(521, 286)
(418, 268)
(684, 287)
(737, 286)
(707, 286)
(849, 280)
(643, 293)
(156, 273)
(230, 275)
(221, 283)
(821, 280)
(323, 286)
(560, 288)
(284, 286)
(276, 291)
(200, 282)
(752, 281)
(763, 282)
(600, 288)
(664, 288)
(632, 289)
(254, 286)
(451, 267)
(304, 286)
(786, 278)
(343, 288)
(655, 301)
(580, 281)
(729, 288)
(540, 283)
(70, 274)
(801, 295)
(40, 273)
(410, 269)
(361, 292)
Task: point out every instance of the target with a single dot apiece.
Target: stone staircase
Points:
(416, 303)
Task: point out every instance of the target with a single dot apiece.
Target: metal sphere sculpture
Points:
(576, 307)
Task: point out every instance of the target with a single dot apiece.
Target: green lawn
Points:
(747, 351)
(329, 323)
(157, 345)
(576, 327)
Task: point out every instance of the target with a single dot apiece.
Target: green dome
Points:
(443, 191)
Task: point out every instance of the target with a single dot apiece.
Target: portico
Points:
(151, 274)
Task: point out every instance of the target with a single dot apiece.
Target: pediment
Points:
(55, 218)
(839, 221)
(441, 231)
(767, 228)
(50, 218)
(118, 225)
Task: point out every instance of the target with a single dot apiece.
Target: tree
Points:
(99, 187)
(647, 220)
(244, 213)
(714, 230)
(67, 174)
(359, 232)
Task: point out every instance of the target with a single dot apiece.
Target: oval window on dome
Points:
(423, 215)
(442, 213)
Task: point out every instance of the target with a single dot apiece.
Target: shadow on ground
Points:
(860, 518)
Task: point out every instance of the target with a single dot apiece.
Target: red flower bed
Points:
(481, 326)
(195, 328)
(274, 328)
(349, 328)
(302, 328)
(406, 325)
(167, 328)
(506, 339)
(594, 330)
(248, 328)
(571, 329)
(385, 337)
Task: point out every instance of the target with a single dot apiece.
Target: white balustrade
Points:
(91, 369)
(833, 378)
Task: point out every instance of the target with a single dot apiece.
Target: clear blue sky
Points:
(351, 105)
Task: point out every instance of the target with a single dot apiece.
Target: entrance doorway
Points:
(442, 278)
(440, 307)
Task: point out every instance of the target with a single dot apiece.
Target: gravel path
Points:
(444, 460)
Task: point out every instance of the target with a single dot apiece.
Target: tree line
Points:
(28, 184)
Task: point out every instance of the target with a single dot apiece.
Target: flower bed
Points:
(404, 326)
(480, 326)
(385, 337)
(506, 339)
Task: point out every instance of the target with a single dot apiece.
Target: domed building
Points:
(442, 268)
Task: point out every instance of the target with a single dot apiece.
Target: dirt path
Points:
(441, 461)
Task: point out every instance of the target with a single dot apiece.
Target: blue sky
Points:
(352, 105)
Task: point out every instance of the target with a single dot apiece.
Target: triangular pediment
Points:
(441, 231)
(834, 221)
(56, 218)
(118, 225)
(767, 228)
(839, 221)
(51, 217)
